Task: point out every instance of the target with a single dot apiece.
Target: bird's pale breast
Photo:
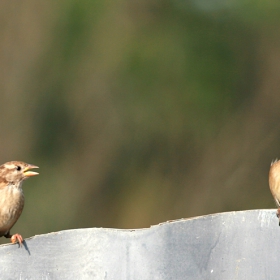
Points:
(11, 205)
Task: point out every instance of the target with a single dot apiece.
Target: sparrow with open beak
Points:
(12, 175)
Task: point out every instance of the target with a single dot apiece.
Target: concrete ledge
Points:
(233, 245)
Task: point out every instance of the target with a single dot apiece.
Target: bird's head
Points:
(16, 171)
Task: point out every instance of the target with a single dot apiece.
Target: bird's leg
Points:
(15, 238)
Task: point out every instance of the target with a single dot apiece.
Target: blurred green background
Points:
(139, 112)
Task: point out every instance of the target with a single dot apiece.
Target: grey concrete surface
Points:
(233, 245)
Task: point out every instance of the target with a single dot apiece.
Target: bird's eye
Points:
(18, 168)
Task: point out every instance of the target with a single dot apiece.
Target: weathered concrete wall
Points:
(234, 245)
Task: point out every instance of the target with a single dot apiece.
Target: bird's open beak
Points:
(28, 173)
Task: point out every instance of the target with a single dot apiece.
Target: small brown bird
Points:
(274, 184)
(12, 175)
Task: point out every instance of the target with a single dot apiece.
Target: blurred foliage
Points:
(139, 112)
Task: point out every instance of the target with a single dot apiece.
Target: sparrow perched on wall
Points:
(274, 184)
(12, 175)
